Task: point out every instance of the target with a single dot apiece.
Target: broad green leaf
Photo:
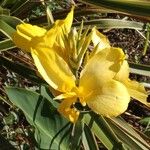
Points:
(43, 116)
(135, 7)
(139, 69)
(88, 139)
(127, 135)
(6, 45)
(45, 91)
(113, 23)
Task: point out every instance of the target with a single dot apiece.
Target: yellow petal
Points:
(99, 38)
(137, 91)
(53, 69)
(66, 24)
(101, 68)
(65, 95)
(110, 100)
(63, 27)
(31, 30)
(50, 36)
(24, 34)
(123, 73)
(22, 41)
(65, 108)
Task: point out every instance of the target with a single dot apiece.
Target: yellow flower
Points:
(27, 34)
(97, 86)
(103, 84)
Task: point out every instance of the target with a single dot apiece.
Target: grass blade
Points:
(134, 7)
(113, 23)
(139, 69)
(6, 45)
(6, 29)
(89, 141)
(127, 134)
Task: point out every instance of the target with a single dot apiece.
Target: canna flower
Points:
(29, 34)
(103, 84)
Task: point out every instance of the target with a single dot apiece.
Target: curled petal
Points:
(31, 30)
(67, 110)
(137, 91)
(101, 68)
(53, 69)
(24, 34)
(100, 39)
(110, 100)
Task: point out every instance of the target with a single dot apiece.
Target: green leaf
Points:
(88, 139)
(4, 11)
(134, 7)
(127, 135)
(145, 121)
(101, 129)
(76, 135)
(8, 26)
(45, 91)
(43, 116)
(113, 23)
(6, 29)
(11, 20)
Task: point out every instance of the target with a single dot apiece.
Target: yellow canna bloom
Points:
(28, 34)
(59, 55)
